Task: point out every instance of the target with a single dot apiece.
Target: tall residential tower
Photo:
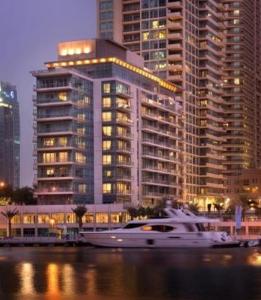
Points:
(9, 135)
(211, 50)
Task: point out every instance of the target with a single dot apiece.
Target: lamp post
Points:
(2, 184)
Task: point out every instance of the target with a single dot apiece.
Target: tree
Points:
(9, 215)
(79, 212)
(24, 195)
(133, 212)
(6, 193)
(194, 207)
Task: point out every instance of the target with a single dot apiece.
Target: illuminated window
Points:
(106, 159)
(122, 145)
(81, 131)
(83, 102)
(106, 88)
(80, 158)
(107, 188)
(122, 103)
(63, 156)
(62, 96)
(43, 219)
(155, 24)
(89, 218)
(145, 36)
(108, 173)
(121, 131)
(106, 102)
(28, 219)
(49, 142)
(49, 157)
(50, 172)
(237, 81)
(63, 141)
(122, 188)
(82, 188)
(106, 145)
(107, 130)
(81, 117)
(116, 217)
(106, 116)
(162, 35)
(121, 116)
(102, 218)
(236, 12)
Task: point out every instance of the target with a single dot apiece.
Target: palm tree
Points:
(9, 215)
(79, 211)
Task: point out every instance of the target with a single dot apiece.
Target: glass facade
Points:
(9, 135)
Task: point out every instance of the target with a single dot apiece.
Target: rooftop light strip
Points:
(117, 61)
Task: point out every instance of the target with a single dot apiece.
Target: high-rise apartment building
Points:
(242, 84)
(211, 49)
(9, 135)
(107, 130)
(179, 41)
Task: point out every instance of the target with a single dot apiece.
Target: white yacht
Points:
(179, 228)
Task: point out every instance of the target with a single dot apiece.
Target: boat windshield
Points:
(134, 225)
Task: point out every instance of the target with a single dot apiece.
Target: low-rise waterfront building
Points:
(41, 220)
(246, 184)
(107, 130)
(60, 220)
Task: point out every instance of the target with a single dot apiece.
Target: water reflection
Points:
(255, 259)
(52, 282)
(130, 274)
(26, 273)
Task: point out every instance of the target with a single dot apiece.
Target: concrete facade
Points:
(107, 130)
(212, 50)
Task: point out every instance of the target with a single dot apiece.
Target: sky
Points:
(29, 32)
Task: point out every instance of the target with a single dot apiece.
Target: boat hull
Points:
(136, 240)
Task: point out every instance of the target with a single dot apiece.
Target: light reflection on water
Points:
(81, 273)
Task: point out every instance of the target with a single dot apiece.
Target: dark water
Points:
(94, 274)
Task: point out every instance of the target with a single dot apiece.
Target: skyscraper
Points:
(211, 49)
(107, 130)
(9, 135)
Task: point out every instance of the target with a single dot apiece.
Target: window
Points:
(81, 117)
(49, 157)
(62, 96)
(106, 102)
(82, 188)
(107, 188)
(50, 172)
(63, 156)
(107, 173)
(81, 131)
(106, 116)
(122, 188)
(80, 158)
(106, 88)
(107, 130)
(63, 141)
(106, 159)
(145, 36)
(102, 218)
(49, 142)
(106, 145)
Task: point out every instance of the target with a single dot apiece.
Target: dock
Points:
(42, 242)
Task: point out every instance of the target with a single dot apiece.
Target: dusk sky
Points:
(30, 30)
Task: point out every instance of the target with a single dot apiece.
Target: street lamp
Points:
(2, 184)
